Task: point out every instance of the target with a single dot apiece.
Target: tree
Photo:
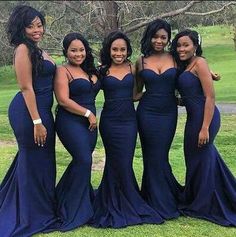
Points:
(94, 19)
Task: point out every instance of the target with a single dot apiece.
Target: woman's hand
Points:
(92, 121)
(137, 97)
(203, 137)
(215, 76)
(40, 134)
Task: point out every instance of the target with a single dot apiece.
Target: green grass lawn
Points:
(218, 48)
(180, 227)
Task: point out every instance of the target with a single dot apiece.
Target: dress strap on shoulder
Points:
(142, 61)
(191, 66)
(130, 67)
(71, 77)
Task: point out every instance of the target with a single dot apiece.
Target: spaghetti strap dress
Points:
(118, 202)
(157, 120)
(74, 190)
(210, 187)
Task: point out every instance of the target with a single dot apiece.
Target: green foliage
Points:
(213, 35)
(218, 48)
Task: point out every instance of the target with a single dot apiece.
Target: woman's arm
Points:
(205, 77)
(138, 82)
(61, 89)
(23, 69)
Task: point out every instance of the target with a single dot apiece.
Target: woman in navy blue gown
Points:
(75, 88)
(157, 118)
(118, 202)
(27, 197)
(210, 187)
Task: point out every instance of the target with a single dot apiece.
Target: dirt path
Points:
(223, 108)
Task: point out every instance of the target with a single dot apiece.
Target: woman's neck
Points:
(190, 61)
(187, 63)
(73, 65)
(119, 65)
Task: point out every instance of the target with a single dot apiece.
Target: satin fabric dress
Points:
(157, 120)
(210, 190)
(27, 193)
(74, 190)
(118, 202)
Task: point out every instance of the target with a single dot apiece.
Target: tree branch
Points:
(210, 12)
(60, 17)
(69, 5)
(169, 14)
(3, 21)
(136, 19)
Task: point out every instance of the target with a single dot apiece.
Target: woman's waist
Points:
(158, 108)
(83, 101)
(39, 94)
(43, 102)
(192, 95)
(120, 115)
(121, 108)
(118, 99)
(158, 100)
(60, 108)
(119, 103)
(149, 93)
(43, 90)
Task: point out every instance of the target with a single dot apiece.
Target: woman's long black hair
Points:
(196, 39)
(150, 31)
(20, 18)
(88, 64)
(105, 53)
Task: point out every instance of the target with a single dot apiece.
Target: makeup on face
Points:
(35, 30)
(159, 40)
(118, 51)
(185, 48)
(76, 52)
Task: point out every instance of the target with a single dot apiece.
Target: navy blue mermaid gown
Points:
(118, 202)
(27, 193)
(74, 190)
(210, 189)
(157, 119)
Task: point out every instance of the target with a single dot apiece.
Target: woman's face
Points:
(185, 48)
(159, 40)
(118, 51)
(76, 52)
(35, 30)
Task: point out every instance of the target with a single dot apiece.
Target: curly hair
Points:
(150, 31)
(20, 18)
(88, 64)
(194, 36)
(105, 54)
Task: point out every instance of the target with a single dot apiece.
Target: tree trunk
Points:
(111, 16)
